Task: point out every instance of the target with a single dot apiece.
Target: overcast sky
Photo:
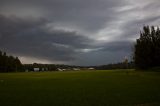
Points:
(76, 32)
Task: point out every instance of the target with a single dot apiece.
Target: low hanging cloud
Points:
(33, 38)
(90, 32)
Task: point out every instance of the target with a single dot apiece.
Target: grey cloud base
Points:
(90, 32)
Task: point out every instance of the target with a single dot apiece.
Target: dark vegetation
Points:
(147, 48)
(49, 67)
(54, 67)
(9, 63)
(120, 65)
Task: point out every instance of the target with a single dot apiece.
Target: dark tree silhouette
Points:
(147, 48)
(9, 63)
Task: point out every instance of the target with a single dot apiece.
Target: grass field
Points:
(83, 88)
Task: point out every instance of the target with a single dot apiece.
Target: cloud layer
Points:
(90, 32)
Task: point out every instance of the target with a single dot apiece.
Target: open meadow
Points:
(80, 88)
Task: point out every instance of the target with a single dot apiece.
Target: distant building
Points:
(36, 69)
(60, 69)
(64, 69)
(91, 68)
(76, 69)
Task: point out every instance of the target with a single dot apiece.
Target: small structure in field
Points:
(64, 69)
(76, 69)
(59, 69)
(36, 69)
(91, 68)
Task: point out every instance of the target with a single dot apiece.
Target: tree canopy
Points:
(9, 63)
(147, 48)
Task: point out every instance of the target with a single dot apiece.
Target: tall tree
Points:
(9, 63)
(147, 48)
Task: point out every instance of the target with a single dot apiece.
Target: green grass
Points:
(83, 88)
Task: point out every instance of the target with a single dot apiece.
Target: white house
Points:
(36, 69)
(76, 69)
(91, 68)
(60, 69)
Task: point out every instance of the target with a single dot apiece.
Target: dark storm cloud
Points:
(88, 14)
(31, 38)
(86, 32)
(104, 53)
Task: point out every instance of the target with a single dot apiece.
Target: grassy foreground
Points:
(83, 88)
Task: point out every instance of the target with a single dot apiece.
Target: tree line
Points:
(49, 67)
(9, 63)
(120, 65)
